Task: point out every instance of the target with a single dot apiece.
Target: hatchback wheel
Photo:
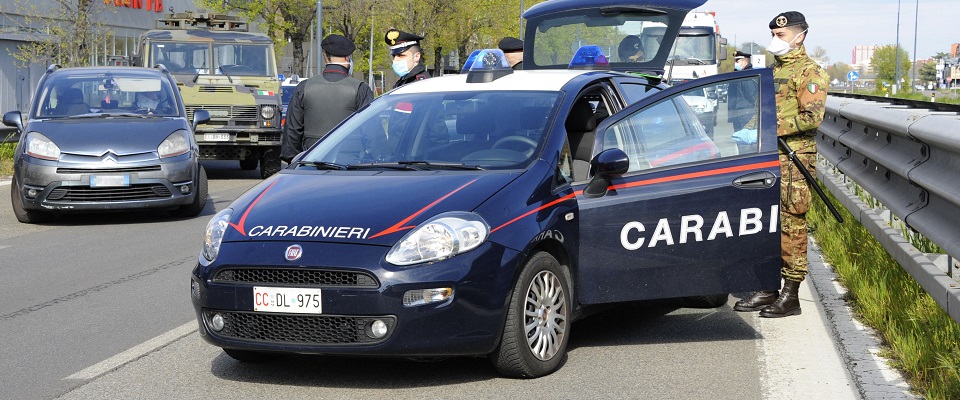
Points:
(534, 340)
(24, 215)
(710, 301)
(199, 202)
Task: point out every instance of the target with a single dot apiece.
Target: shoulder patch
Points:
(813, 88)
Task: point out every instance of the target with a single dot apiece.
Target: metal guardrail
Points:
(918, 104)
(908, 160)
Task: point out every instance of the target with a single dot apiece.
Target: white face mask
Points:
(780, 47)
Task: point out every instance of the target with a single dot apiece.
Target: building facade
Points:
(24, 21)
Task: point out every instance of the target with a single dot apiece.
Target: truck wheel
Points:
(269, 163)
(199, 201)
(250, 163)
(710, 301)
(534, 340)
(24, 215)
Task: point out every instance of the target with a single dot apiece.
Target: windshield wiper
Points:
(202, 67)
(322, 165)
(415, 166)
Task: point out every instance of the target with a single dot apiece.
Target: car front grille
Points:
(66, 170)
(299, 277)
(226, 112)
(89, 194)
(303, 329)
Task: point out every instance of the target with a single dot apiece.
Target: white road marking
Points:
(135, 352)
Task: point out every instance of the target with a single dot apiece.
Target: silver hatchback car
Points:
(105, 139)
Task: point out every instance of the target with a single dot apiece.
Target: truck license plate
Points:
(216, 137)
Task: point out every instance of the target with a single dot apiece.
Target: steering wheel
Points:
(156, 110)
(527, 146)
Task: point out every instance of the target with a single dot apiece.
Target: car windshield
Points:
(632, 40)
(473, 130)
(70, 94)
(227, 58)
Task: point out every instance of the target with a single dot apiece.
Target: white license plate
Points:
(216, 137)
(286, 300)
(109, 180)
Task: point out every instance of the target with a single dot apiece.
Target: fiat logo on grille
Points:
(293, 252)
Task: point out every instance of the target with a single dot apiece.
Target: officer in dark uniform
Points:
(513, 49)
(407, 56)
(320, 103)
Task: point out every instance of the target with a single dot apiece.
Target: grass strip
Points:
(919, 337)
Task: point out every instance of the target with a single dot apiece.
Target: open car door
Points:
(687, 214)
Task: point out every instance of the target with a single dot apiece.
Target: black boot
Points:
(786, 305)
(756, 301)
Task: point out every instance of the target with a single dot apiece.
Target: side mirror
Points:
(200, 117)
(723, 52)
(136, 61)
(14, 119)
(606, 165)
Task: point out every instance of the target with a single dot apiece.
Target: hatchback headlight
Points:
(174, 145)
(42, 147)
(268, 112)
(441, 237)
(213, 236)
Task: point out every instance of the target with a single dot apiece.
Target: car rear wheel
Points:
(534, 340)
(250, 163)
(199, 202)
(248, 356)
(709, 301)
(23, 215)
(269, 162)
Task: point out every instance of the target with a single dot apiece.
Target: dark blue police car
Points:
(482, 213)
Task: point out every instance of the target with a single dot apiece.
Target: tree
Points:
(884, 62)
(269, 13)
(819, 54)
(69, 31)
(839, 71)
(928, 73)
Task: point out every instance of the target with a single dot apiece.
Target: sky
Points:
(839, 25)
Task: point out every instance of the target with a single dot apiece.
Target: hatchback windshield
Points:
(476, 130)
(76, 93)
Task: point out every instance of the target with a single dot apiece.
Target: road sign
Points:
(852, 76)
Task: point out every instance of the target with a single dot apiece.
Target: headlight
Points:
(441, 237)
(268, 112)
(174, 145)
(213, 236)
(40, 146)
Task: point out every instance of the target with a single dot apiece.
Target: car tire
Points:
(269, 163)
(23, 215)
(248, 356)
(199, 201)
(709, 301)
(250, 163)
(541, 299)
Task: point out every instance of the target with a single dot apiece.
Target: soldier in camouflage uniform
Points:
(801, 98)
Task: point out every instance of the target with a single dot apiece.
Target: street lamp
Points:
(370, 79)
(319, 36)
(896, 50)
(916, 19)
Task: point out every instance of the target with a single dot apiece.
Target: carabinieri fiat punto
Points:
(481, 213)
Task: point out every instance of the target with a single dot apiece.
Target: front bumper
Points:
(62, 187)
(468, 323)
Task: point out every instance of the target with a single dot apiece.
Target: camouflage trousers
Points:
(795, 196)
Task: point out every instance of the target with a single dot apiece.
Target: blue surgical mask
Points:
(401, 68)
(350, 68)
(737, 67)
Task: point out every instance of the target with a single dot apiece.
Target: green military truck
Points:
(223, 68)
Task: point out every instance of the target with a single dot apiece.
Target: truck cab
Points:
(223, 68)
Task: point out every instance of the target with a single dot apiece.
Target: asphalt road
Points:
(97, 306)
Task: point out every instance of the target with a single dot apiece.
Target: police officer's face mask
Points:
(780, 47)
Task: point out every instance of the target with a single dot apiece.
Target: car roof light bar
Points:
(486, 65)
(589, 57)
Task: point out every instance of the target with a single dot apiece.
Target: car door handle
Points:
(756, 180)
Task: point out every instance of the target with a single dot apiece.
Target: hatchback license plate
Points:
(216, 137)
(286, 300)
(109, 180)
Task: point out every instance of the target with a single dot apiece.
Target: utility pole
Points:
(319, 36)
(370, 80)
(521, 20)
(916, 19)
(896, 74)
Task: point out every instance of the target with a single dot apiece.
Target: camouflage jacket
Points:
(801, 87)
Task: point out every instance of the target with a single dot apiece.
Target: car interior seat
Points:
(581, 128)
(71, 103)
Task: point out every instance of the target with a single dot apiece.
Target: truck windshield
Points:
(696, 49)
(243, 60)
(230, 58)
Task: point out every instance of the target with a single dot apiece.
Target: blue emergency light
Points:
(486, 65)
(470, 59)
(589, 57)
